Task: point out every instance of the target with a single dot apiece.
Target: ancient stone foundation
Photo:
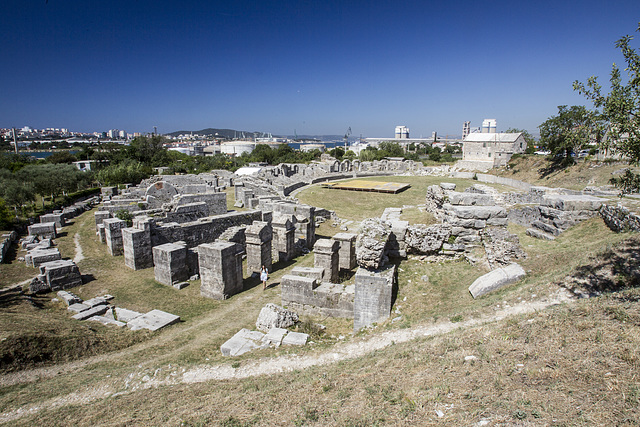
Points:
(308, 295)
(113, 235)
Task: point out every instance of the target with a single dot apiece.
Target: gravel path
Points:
(79, 256)
(140, 380)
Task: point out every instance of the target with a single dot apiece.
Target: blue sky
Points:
(318, 67)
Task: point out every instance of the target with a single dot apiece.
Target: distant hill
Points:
(232, 133)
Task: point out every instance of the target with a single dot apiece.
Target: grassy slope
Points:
(403, 384)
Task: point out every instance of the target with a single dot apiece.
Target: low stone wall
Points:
(205, 230)
(619, 218)
(325, 299)
(5, 242)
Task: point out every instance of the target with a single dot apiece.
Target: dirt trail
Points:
(140, 380)
(79, 256)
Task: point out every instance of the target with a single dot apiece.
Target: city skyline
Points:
(303, 67)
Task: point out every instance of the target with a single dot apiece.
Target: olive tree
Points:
(620, 107)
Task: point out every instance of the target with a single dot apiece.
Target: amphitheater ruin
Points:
(181, 228)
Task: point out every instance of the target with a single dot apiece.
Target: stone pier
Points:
(347, 252)
(258, 241)
(136, 243)
(113, 235)
(283, 237)
(170, 263)
(373, 297)
(326, 257)
(220, 269)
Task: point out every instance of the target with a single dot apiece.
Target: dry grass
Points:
(539, 171)
(571, 365)
(579, 363)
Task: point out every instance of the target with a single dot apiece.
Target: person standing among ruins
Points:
(264, 275)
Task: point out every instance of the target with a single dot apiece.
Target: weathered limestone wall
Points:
(205, 230)
(619, 218)
(5, 242)
(307, 295)
(373, 296)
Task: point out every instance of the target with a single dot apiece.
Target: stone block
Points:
(347, 251)
(107, 321)
(373, 296)
(45, 230)
(125, 315)
(93, 302)
(58, 219)
(274, 336)
(100, 216)
(37, 256)
(137, 249)
(68, 298)
(170, 263)
(496, 279)
(93, 311)
(565, 202)
(477, 212)
(220, 269)
(60, 274)
(310, 272)
(258, 243)
(326, 257)
(113, 235)
(242, 342)
(78, 307)
(295, 338)
(470, 199)
(274, 316)
(153, 320)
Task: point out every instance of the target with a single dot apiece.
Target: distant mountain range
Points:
(232, 133)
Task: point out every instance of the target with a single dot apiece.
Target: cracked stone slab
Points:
(275, 336)
(107, 321)
(94, 311)
(295, 338)
(78, 307)
(95, 301)
(153, 320)
(242, 342)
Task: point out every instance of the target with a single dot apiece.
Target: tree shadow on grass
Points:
(10, 296)
(614, 270)
(87, 278)
(555, 166)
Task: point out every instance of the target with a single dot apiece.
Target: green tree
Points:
(18, 193)
(5, 215)
(620, 107)
(570, 131)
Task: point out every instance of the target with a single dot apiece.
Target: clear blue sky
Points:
(318, 67)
